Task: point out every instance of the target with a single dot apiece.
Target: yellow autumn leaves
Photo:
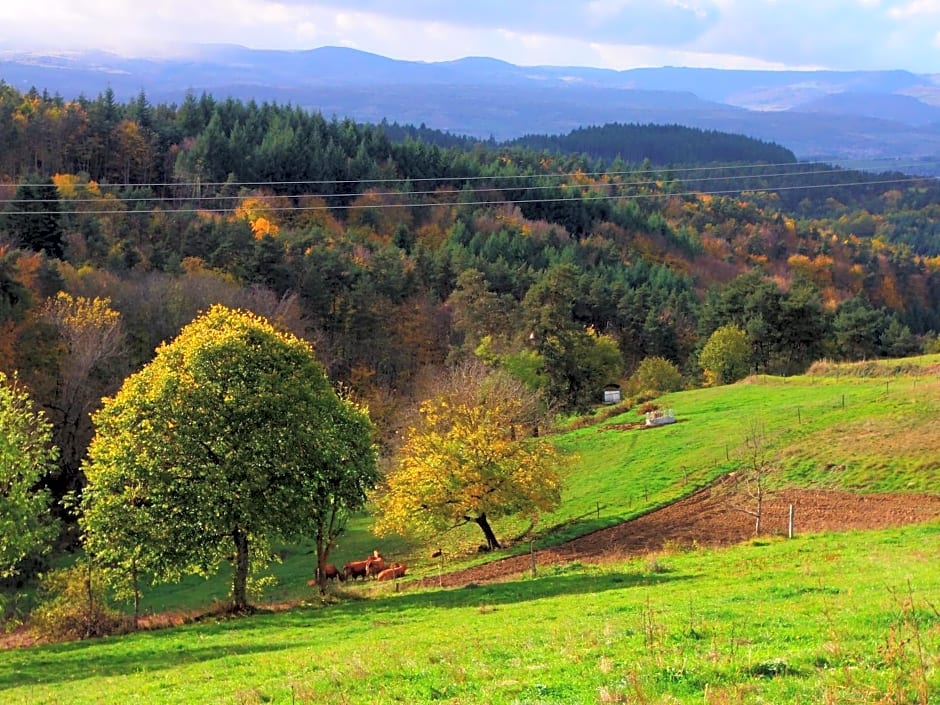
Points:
(468, 462)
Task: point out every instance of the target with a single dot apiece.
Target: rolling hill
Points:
(819, 115)
(806, 619)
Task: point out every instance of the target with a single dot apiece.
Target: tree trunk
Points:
(326, 533)
(135, 583)
(759, 495)
(321, 566)
(240, 584)
(484, 525)
(760, 509)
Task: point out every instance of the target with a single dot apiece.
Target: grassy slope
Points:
(878, 431)
(866, 433)
(843, 619)
(881, 440)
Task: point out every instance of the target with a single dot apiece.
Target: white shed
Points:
(611, 394)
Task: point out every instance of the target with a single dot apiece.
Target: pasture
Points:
(862, 434)
(864, 427)
(837, 618)
(841, 618)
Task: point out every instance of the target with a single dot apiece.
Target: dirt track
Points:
(709, 518)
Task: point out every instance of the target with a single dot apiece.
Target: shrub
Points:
(657, 374)
(73, 605)
(726, 356)
(647, 407)
(608, 412)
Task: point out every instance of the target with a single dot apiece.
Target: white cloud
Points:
(916, 9)
(651, 57)
(609, 33)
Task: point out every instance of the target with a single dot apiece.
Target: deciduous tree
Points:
(90, 336)
(726, 355)
(230, 439)
(577, 363)
(750, 487)
(26, 455)
(656, 374)
(468, 461)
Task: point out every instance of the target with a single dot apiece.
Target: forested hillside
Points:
(398, 257)
(660, 144)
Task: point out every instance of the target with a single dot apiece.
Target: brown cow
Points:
(376, 566)
(360, 569)
(356, 569)
(330, 572)
(396, 571)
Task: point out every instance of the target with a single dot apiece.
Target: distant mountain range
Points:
(819, 115)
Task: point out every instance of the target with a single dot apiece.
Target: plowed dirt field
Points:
(714, 517)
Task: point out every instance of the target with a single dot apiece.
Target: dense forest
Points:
(400, 251)
(660, 144)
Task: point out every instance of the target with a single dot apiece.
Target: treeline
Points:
(660, 144)
(122, 222)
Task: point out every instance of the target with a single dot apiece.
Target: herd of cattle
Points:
(372, 567)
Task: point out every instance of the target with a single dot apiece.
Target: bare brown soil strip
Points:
(712, 517)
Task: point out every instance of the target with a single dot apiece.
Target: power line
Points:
(443, 179)
(481, 189)
(362, 206)
(324, 194)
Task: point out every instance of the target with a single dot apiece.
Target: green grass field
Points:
(844, 618)
(864, 434)
(880, 432)
(849, 618)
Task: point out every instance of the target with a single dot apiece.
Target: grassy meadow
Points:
(839, 430)
(842, 618)
(849, 618)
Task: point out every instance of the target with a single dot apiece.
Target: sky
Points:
(615, 34)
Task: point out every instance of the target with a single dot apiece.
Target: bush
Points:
(608, 412)
(657, 374)
(726, 356)
(73, 605)
(647, 407)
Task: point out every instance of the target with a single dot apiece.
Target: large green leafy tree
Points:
(230, 439)
(577, 364)
(26, 455)
(786, 330)
(753, 304)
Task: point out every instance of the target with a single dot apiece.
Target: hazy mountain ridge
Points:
(817, 114)
(899, 107)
